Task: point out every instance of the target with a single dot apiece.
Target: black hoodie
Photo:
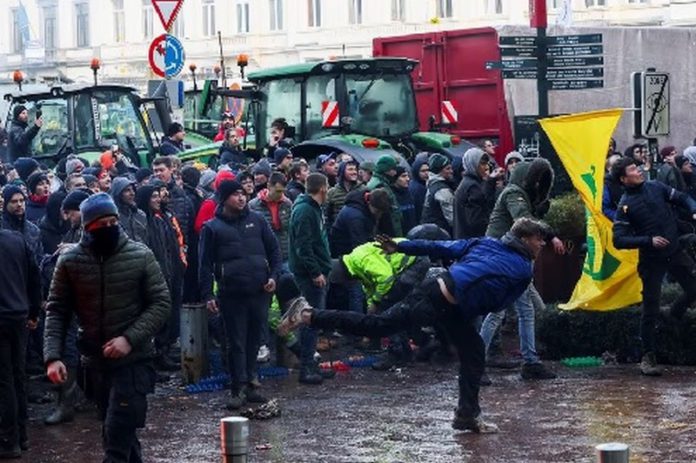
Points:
(52, 225)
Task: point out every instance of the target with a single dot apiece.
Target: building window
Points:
(398, 10)
(314, 10)
(178, 28)
(17, 42)
(355, 11)
(276, 7)
(590, 3)
(50, 31)
(632, 1)
(242, 17)
(495, 6)
(148, 19)
(444, 8)
(82, 24)
(119, 21)
(208, 18)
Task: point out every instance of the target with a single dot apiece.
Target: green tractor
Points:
(87, 120)
(375, 103)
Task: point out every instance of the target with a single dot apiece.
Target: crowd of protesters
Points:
(225, 237)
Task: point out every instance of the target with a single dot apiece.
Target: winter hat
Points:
(279, 154)
(9, 191)
(680, 160)
(324, 158)
(223, 175)
(142, 174)
(174, 128)
(25, 167)
(207, 179)
(666, 151)
(74, 199)
(262, 168)
(513, 155)
(34, 180)
(97, 206)
(73, 165)
(107, 160)
(227, 188)
(90, 179)
(95, 171)
(437, 162)
(17, 111)
(367, 166)
(190, 176)
(53, 207)
(143, 195)
(385, 163)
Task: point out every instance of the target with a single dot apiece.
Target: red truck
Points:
(452, 68)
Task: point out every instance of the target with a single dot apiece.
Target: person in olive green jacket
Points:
(310, 263)
(116, 290)
(384, 177)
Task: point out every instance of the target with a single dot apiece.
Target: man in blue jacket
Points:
(239, 249)
(645, 220)
(487, 275)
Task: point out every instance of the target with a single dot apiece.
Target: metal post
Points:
(194, 342)
(234, 439)
(542, 82)
(614, 452)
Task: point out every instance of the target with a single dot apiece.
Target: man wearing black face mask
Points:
(116, 291)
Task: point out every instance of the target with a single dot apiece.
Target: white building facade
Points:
(59, 38)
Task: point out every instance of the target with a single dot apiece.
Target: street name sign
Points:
(583, 73)
(574, 39)
(575, 84)
(572, 62)
(582, 50)
(512, 64)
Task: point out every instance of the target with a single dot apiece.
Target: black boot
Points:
(238, 399)
(67, 398)
(252, 395)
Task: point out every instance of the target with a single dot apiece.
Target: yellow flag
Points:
(609, 277)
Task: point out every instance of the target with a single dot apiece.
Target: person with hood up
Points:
(52, 226)
(687, 171)
(205, 184)
(25, 167)
(512, 159)
(191, 177)
(162, 240)
(420, 171)
(14, 218)
(261, 172)
(173, 142)
(20, 134)
(438, 207)
(357, 222)
(298, 177)
(347, 181)
(38, 188)
(230, 154)
(133, 220)
(383, 177)
(404, 199)
(525, 196)
(239, 251)
(475, 196)
(207, 210)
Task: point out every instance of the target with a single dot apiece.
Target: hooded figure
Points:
(383, 177)
(17, 221)
(133, 220)
(25, 167)
(20, 135)
(527, 195)
(417, 184)
(438, 207)
(474, 198)
(357, 222)
(336, 196)
(52, 226)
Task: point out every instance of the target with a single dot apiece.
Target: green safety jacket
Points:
(376, 270)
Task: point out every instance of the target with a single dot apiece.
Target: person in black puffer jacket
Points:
(240, 252)
(20, 134)
(356, 224)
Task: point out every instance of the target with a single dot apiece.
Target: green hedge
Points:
(581, 333)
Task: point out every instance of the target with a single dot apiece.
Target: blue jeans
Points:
(525, 317)
(316, 297)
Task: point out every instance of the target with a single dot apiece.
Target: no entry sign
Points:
(166, 56)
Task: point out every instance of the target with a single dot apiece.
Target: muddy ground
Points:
(404, 416)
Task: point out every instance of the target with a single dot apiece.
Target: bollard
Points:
(194, 342)
(234, 439)
(614, 452)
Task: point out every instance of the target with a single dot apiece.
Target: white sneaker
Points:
(292, 318)
(264, 354)
(316, 356)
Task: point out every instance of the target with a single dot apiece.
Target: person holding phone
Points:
(20, 134)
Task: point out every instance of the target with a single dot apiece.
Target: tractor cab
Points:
(86, 120)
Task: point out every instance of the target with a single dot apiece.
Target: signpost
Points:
(166, 56)
(167, 10)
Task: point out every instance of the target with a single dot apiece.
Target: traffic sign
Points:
(512, 64)
(575, 84)
(574, 39)
(584, 73)
(655, 104)
(166, 56)
(167, 10)
(520, 74)
(522, 52)
(576, 62)
(520, 41)
(582, 50)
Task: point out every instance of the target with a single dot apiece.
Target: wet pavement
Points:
(367, 416)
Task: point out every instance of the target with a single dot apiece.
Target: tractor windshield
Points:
(54, 132)
(381, 105)
(118, 119)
